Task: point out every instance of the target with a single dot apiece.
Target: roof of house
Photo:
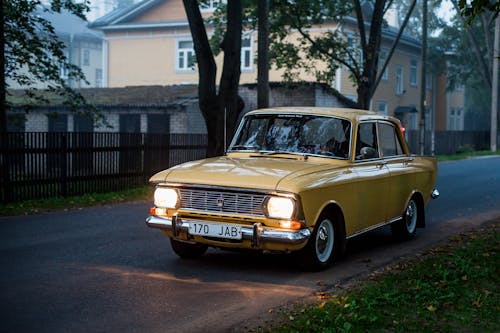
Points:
(123, 19)
(68, 25)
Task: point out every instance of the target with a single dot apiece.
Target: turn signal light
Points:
(294, 225)
(158, 211)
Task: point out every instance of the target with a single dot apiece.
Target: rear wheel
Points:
(406, 228)
(188, 250)
(323, 247)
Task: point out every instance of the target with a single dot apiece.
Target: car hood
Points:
(264, 173)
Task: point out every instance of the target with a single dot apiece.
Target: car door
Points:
(373, 177)
(400, 170)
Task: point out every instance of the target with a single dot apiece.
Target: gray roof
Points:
(124, 14)
(67, 24)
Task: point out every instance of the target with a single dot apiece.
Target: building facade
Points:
(150, 43)
(83, 49)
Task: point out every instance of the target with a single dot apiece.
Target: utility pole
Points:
(422, 78)
(263, 55)
(494, 87)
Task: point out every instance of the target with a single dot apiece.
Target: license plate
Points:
(218, 230)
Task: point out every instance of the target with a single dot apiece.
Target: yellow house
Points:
(150, 43)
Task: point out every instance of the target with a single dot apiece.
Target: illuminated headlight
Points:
(280, 208)
(166, 197)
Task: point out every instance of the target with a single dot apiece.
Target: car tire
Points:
(188, 250)
(324, 246)
(406, 228)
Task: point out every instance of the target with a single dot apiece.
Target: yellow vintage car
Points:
(301, 180)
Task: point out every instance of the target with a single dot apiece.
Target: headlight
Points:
(166, 197)
(280, 208)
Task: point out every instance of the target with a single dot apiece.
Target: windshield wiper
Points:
(277, 152)
(242, 147)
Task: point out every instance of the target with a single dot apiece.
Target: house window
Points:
(381, 61)
(428, 81)
(86, 57)
(452, 120)
(399, 80)
(185, 55)
(246, 52)
(98, 78)
(63, 70)
(382, 107)
(353, 53)
(209, 5)
(413, 121)
(413, 72)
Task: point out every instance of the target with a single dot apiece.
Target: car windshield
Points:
(295, 134)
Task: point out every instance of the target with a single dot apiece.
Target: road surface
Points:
(101, 269)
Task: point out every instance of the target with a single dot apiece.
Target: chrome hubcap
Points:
(324, 240)
(411, 216)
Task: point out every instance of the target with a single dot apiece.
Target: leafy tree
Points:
(414, 27)
(465, 51)
(320, 54)
(358, 53)
(220, 108)
(472, 9)
(32, 53)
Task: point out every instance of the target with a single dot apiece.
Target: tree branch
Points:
(204, 56)
(475, 45)
(393, 47)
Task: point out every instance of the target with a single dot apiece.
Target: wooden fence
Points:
(449, 142)
(40, 164)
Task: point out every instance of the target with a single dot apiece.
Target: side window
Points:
(366, 142)
(389, 140)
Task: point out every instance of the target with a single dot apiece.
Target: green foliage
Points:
(414, 28)
(453, 288)
(91, 199)
(34, 53)
(475, 8)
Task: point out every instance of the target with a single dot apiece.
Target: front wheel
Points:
(323, 247)
(406, 228)
(188, 250)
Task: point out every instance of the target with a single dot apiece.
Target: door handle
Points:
(381, 164)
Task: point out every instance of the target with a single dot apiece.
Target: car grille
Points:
(222, 202)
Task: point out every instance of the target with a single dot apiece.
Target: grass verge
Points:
(86, 200)
(465, 155)
(453, 288)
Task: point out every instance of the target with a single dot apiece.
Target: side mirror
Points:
(367, 153)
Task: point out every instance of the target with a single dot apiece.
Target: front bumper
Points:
(257, 234)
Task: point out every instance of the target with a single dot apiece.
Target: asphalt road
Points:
(102, 270)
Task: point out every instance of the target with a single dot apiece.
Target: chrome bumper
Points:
(256, 233)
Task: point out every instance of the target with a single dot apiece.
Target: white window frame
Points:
(381, 60)
(248, 49)
(185, 53)
(413, 72)
(86, 57)
(428, 81)
(382, 107)
(63, 71)
(399, 80)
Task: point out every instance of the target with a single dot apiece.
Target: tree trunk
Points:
(220, 111)
(263, 55)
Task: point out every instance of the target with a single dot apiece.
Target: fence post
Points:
(64, 164)
(6, 194)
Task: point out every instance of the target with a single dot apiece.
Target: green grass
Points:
(454, 288)
(58, 203)
(466, 154)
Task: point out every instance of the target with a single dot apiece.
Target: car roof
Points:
(351, 114)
